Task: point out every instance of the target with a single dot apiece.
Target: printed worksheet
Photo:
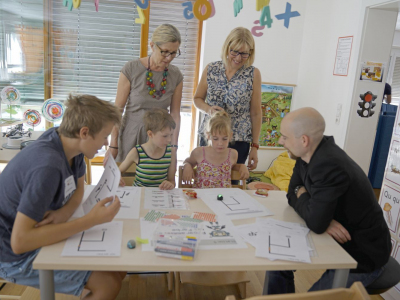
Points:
(101, 240)
(154, 198)
(129, 196)
(282, 243)
(235, 204)
(106, 187)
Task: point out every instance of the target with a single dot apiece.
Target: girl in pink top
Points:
(215, 162)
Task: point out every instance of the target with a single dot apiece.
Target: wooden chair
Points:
(355, 292)
(6, 297)
(235, 175)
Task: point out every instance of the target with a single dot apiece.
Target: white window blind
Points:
(90, 48)
(396, 82)
(21, 48)
(171, 12)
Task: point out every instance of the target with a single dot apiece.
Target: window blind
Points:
(90, 48)
(171, 12)
(396, 82)
(21, 48)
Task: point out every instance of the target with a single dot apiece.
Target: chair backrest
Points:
(355, 292)
(235, 175)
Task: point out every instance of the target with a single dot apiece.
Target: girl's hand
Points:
(244, 172)
(166, 185)
(187, 175)
(122, 182)
(214, 109)
(253, 159)
(101, 213)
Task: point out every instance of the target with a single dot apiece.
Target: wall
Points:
(396, 39)
(277, 50)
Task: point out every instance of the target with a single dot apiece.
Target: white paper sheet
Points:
(277, 242)
(106, 187)
(236, 203)
(130, 204)
(101, 240)
(154, 198)
(146, 232)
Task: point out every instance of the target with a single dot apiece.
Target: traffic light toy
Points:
(366, 105)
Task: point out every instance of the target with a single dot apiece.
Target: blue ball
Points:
(131, 244)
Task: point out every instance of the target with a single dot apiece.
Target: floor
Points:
(154, 287)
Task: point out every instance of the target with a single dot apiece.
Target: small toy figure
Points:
(17, 130)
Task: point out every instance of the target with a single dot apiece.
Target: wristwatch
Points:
(296, 189)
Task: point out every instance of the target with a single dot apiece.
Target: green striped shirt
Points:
(151, 172)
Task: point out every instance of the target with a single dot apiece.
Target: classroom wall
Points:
(325, 22)
(277, 50)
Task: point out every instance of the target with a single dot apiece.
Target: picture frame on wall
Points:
(276, 102)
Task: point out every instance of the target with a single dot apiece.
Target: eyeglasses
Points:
(167, 53)
(242, 54)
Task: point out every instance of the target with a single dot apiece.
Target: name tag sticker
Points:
(69, 186)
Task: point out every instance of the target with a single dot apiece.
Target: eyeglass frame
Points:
(241, 53)
(177, 54)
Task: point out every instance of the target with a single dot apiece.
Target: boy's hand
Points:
(53, 217)
(101, 214)
(122, 182)
(244, 172)
(187, 174)
(166, 185)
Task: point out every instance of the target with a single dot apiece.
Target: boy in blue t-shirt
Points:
(40, 189)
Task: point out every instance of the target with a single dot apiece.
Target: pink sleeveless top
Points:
(211, 176)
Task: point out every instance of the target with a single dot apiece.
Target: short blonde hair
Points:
(87, 111)
(157, 119)
(220, 122)
(236, 39)
(166, 33)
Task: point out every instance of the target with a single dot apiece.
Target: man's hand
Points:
(301, 191)
(111, 151)
(338, 232)
(166, 185)
(53, 217)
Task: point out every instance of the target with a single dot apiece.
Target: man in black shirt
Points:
(332, 194)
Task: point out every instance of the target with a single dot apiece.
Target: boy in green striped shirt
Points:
(153, 158)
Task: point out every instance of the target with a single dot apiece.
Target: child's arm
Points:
(132, 157)
(189, 164)
(26, 237)
(169, 184)
(64, 213)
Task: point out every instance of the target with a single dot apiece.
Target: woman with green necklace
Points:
(148, 83)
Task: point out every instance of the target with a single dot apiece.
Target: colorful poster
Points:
(390, 204)
(394, 246)
(397, 257)
(372, 71)
(396, 127)
(276, 101)
(392, 172)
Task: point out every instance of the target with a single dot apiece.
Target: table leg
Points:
(46, 281)
(265, 289)
(340, 278)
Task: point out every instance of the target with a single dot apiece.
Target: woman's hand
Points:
(244, 172)
(187, 174)
(111, 151)
(253, 159)
(213, 109)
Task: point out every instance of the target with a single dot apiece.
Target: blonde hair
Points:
(157, 119)
(87, 111)
(220, 122)
(236, 39)
(166, 33)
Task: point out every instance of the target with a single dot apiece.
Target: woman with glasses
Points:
(234, 85)
(148, 83)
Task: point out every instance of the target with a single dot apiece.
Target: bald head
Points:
(306, 121)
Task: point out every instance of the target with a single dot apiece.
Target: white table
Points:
(330, 255)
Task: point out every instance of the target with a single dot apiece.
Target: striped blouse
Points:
(151, 172)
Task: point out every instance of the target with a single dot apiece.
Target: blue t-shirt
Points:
(32, 183)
